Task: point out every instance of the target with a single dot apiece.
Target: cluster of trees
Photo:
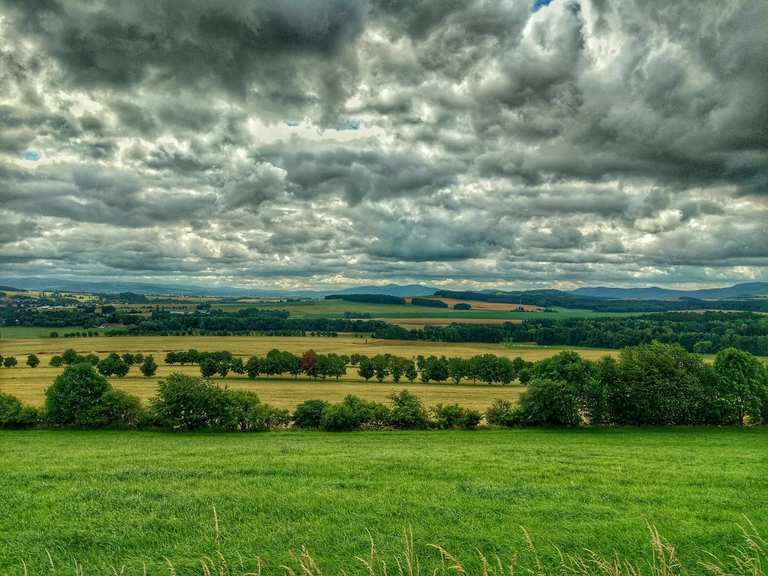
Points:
(112, 365)
(10, 361)
(703, 333)
(650, 384)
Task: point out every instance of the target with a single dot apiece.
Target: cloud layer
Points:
(302, 143)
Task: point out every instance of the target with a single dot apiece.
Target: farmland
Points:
(29, 384)
(120, 498)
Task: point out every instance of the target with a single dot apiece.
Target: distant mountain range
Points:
(115, 287)
(746, 290)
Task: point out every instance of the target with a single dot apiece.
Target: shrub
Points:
(73, 396)
(148, 366)
(740, 386)
(9, 362)
(407, 411)
(33, 361)
(454, 416)
(309, 414)
(658, 384)
(115, 408)
(549, 402)
(244, 412)
(502, 413)
(353, 413)
(14, 414)
(56, 361)
(188, 403)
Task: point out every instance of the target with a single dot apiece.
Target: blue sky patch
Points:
(538, 4)
(31, 155)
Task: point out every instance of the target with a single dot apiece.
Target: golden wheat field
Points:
(29, 384)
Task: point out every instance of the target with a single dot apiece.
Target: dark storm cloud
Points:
(315, 141)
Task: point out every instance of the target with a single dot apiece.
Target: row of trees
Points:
(651, 384)
(704, 333)
(10, 361)
(112, 365)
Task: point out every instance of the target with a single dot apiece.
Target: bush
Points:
(188, 403)
(309, 414)
(33, 361)
(116, 409)
(549, 402)
(148, 366)
(502, 413)
(14, 414)
(9, 362)
(454, 416)
(113, 365)
(74, 395)
(56, 361)
(353, 413)
(244, 412)
(407, 411)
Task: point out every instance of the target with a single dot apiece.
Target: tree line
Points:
(704, 333)
(649, 384)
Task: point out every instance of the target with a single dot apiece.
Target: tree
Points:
(407, 411)
(740, 385)
(410, 371)
(309, 414)
(309, 363)
(33, 361)
(208, 367)
(56, 361)
(549, 402)
(148, 366)
(254, 367)
(113, 365)
(380, 366)
(458, 368)
(69, 356)
(9, 362)
(365, 368)
(74, 395)
(188, 403)
(13, 414)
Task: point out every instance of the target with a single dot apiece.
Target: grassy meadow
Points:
(123, 498)
(29, 384)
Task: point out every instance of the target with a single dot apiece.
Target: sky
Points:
(321, 143)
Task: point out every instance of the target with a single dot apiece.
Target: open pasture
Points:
(29, 384)
(123, 498)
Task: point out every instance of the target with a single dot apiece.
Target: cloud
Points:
(462, 142)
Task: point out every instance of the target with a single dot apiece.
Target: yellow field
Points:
(29, 384)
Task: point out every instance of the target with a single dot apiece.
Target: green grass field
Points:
(120, 498)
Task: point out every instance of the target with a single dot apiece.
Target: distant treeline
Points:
(556, 298)
(706, 332)
(369, 298)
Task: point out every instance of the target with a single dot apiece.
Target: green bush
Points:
(188, 403)
(502, 413)
(454, 416)
(116, 409)
(113, 365)
(14, 414)
(148, 366)
(549, 403)
(407, 411)
(74, 395)
(354, 413)
(309, 414)
(244, 412)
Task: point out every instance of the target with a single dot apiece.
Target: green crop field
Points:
(114, 499)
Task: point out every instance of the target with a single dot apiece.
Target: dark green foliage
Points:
(371, 298)
(407, 411)
(208, 367)
(430, 302)
(739, 386)
(10, 361)
(117, 409)
(353, 413)
(33, 361)
(113, 365)
(365, 368)
(148, 366)
(454, 416)
(244, 412)
(658, 384)
(462, 306)
(56, 361)
(188, 403)
(549, 403)
(73, 398)
(14, 414)
(309, 414)
(502, 413)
